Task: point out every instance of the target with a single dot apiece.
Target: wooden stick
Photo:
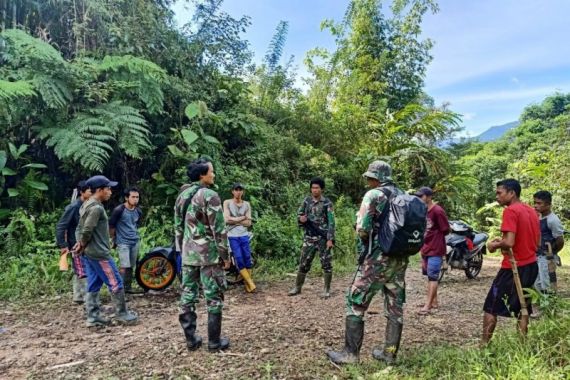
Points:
(65, 365)
(518, 285)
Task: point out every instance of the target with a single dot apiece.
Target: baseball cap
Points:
(237, 185)
(380, 170)
(424, 191)
(100, 181)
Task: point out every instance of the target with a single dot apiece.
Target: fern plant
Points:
(92, 135)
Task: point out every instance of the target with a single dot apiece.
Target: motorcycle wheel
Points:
(474, 265)
(155, 272)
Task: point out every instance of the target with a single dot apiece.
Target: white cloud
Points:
(515, 80)
(468, 116)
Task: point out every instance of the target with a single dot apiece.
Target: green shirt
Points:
(93, 230)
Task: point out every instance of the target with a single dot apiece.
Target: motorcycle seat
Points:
(479, 238)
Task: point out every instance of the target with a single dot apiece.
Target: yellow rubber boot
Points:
(249, 285)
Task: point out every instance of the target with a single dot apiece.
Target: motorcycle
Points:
(465, 249)
(158, 269)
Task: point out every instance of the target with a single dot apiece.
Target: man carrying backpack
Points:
(379, 269)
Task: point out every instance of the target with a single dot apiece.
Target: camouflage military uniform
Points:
(321, 215)
(377, 272)
(202, 239)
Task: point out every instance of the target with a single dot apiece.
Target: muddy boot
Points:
(352, 343)
(215, 343)
(249, 284)
(391, 343)
(327, 290)
(298, 285)
(128, 282)
(93, 311)
(122, 315)
(187, 318)
(78, 289)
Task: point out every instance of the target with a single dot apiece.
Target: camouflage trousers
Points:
(213, 280)
(312, 245)
(385, 274)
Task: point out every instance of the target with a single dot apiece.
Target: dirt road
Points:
(273, 336)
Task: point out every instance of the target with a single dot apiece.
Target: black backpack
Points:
(402, 225)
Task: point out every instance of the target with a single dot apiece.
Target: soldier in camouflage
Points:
(200, 233)
(316, 216)
(376, 272)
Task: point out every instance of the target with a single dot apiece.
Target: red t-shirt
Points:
(436, 229)
(522, 220)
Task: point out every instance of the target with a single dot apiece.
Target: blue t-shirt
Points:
(126, 227)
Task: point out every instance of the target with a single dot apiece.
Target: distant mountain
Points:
(491, 134)
(495, 132)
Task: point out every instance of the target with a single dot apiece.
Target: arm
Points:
(91, 219)
(302, 213)
(178, 225)
(231, 220)
(331, 224)
(113, 220)
(61, 227)
(217, 224)
(443, 222)
(504, 244)
(367, 213)
(247, 221)
(555, 225)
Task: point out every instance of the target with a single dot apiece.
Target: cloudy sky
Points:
(491, 57)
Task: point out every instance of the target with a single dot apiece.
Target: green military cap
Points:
(379, 170)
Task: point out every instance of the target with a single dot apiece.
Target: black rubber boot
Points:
(128, 282)
(352, 343)
(298, 284)
(215, 342)
(187, 318)
(327, 290)
(391, 343)
(93, 311)
(122, 315)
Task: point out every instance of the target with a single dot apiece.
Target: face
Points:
(425, 198)
(541, 206)
(372, 182)
(316, 190)
(104, 193)
(208, 179)
(237, 193)
(503, 196)
(133, 198)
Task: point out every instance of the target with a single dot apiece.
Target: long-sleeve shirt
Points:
(67, 224)
(320, 214)
(93, 232)
(204, 239)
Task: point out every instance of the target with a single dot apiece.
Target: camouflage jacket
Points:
(368, 218)
(201, 233)
(321, 214)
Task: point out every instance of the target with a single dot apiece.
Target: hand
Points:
(77, 248)
(64, 251)
(303, 219)
(330, 244)
(227, 264)
(493, 245)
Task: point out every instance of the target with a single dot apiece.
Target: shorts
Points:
(502, 299)
(128, 255)
(431, 267)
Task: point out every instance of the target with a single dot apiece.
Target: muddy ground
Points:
(272, 336)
